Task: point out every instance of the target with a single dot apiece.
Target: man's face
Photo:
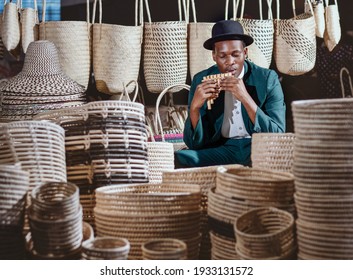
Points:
(229, 56)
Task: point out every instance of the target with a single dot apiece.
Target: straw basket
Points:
(105, 248)
(10, 29)
(260, 51)
(165, 52)
(265, 233)
(295, 42)
(116, 53)
(333, 26)
(199, 32)
(164, 249)
(72, 38)
(29, 25)
(319, 13)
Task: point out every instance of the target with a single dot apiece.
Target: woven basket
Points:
(265, 233)
(260, 51)
(199, 32)
(29, 26)
(333, 26)
(72, 38)
(105, 248)
(164, 249)
(165, 52)
(295, 42)
(272, 151)
(319, 13)
(115, 61)
(10, 29)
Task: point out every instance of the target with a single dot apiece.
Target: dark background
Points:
(312, 85)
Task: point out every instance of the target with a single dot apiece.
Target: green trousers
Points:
(229, 151)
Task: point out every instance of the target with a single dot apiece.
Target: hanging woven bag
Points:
(259, 52)
(199, 58)
(29, 25)
(319, 13)
(10, 29)
(295, 42)
(72, 39)
(116, 52)
(165, 52)
(332, 34)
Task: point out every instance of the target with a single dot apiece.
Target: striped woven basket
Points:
(10, 29)
(72, 38)
(165, 52)
(259, 52)
(295, 42)
(29, 26)
(115, 61)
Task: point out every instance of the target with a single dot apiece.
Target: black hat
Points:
(227, 30)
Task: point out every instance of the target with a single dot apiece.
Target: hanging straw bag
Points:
(72, 38)
(333, 27)
(319, 13)
(199, 58)
(344, 69)
(116, 52)
(165, 52)
(175, 135)
(2, 47)
(259, 52)
(29, 25)
(295, 42)
(10, 29)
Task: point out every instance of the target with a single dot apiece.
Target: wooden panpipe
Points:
(216, 77)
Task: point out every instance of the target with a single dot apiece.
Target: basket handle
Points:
(235, 9)
(157, 121)
(344, 69)
(293, 8)
(126, 93)
(44, 7)
(269, 2)
(181, 6)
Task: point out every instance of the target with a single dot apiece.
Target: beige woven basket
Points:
(116, 53)
(164, 249)
(333, 26)
(260, 51)
(199, 32)
(10, 29)
(29, 26)
(165, 52)
(295, 42)
(273, 151)
(319, 13)
(73, 41)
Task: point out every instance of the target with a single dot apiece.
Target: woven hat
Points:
(41, 73)
(227, 30)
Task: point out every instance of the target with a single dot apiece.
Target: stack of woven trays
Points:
(265, 233)
(55, 218)
(106, 143)
(38, 146)
(14, 184)
(148, 211)
(323, 173)
(239, 190)
(205, 177)
(272, 151)
(105, 248)
(164, 249)
(40, 86)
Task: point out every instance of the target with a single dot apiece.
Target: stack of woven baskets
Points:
(14, 185)
(143, 212)
(105, 248)
(240, 190)
(55, 218)
(164, 249)
(323, 173)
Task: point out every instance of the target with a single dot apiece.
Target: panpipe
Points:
(216, 77)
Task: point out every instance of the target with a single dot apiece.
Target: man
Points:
(249, 101)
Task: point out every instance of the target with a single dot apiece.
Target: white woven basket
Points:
(259, 52)
(199, 32)
(165, 52)
(10, 29)
(319, 13)
(295, 42)
(29, 26)
(116, 53)
(72, 38)
(333, 26)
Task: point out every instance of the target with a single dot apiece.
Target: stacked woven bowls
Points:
(164, 249)
(273, 151)
(239, 190)
(40, 86)
(323, 173)
(106, 143)
(14, 184)
(143, 212)
(55, 218)
(105, 248)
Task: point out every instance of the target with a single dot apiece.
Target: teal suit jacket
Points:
(263, 86)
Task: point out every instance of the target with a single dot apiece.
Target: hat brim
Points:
(208, 44)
